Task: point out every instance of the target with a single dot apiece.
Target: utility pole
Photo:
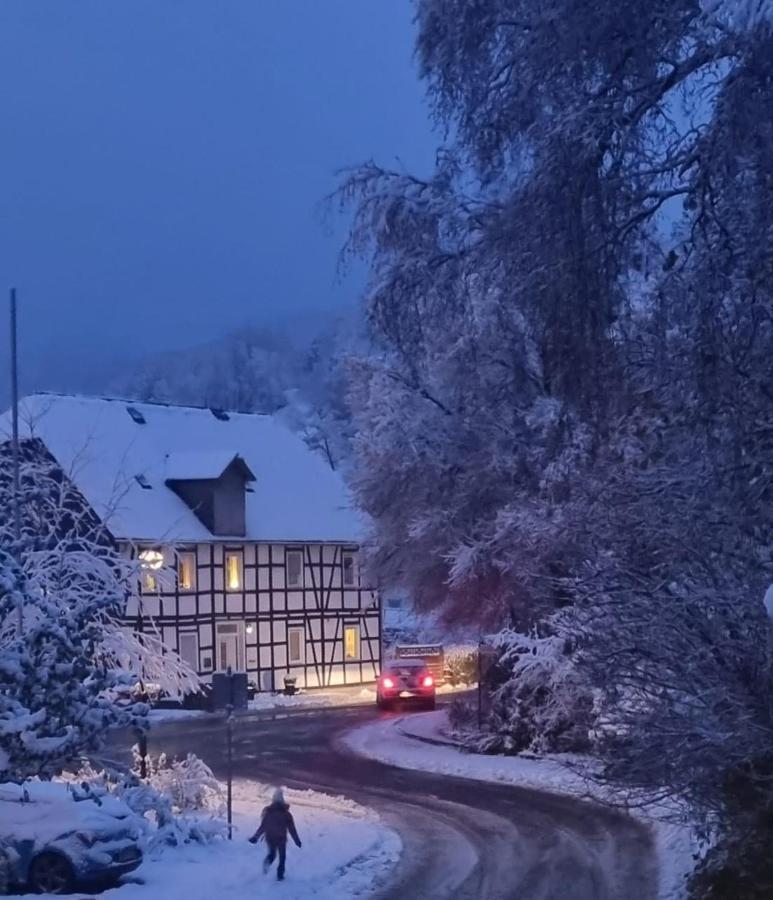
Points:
(229, 724)
(15, 451)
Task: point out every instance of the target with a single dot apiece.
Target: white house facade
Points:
(247, 541)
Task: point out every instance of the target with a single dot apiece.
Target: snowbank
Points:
(421, 741)
(346, 851)
(356, 695)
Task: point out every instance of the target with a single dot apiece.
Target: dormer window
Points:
(213, 485)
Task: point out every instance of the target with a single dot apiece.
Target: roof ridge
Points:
(166, 404)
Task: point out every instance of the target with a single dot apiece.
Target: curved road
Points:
(461, 839)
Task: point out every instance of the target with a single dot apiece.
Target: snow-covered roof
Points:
(196, 465)
(119, 454)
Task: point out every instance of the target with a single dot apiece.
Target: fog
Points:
(163, 163)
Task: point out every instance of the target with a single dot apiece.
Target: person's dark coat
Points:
(275, 823)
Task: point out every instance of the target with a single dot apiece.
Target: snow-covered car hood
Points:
(52, 813)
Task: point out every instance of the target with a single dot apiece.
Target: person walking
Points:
(275, 822)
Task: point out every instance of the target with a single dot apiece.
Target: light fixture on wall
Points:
(151, 559)
(249, 629)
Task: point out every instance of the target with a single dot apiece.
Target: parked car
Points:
(55, 839)
(405, 680)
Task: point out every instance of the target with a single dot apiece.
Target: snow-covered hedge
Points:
(538, 701)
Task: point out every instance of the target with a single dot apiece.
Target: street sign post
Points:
(229, 738)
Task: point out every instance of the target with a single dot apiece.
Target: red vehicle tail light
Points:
(428, 681)
(387, 683)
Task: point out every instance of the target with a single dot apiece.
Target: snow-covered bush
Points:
(539, 700)
(180, 801)
(188, 783)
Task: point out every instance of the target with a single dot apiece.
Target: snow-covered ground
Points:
(343, 696)
(421, 741)
(346, 850)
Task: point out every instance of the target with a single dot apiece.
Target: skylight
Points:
(220, 414)
(143, 482)
(136, 415)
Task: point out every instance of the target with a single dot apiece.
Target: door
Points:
(230, 647)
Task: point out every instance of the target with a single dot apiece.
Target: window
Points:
(233, 570)
(186, 570)
(351, 642)
(350, 573)
(294, 568)
(150, 563)
(136, 415)
(189, 649)
(296, 646)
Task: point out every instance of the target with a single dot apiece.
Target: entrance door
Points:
(230, 647)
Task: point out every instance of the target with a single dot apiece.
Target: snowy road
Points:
(461, 838)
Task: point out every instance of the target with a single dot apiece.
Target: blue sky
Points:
(162, 162)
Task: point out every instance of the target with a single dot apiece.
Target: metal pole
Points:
(229, 734)
(480, 686)
(15, 451)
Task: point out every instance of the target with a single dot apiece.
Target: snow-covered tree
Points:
(511, 287)
(567, 412)
(246, 371)
(64, 673)
(55, 684)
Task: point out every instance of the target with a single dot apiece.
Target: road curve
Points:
(462, 839)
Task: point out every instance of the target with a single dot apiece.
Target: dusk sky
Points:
(162, 163)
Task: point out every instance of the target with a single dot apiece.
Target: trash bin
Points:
(290, 687)
(229, 689)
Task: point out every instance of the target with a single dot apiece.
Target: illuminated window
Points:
(294, 568)
(351, 642)
(233, 571)
(186, 570)
(150, 563)
(350, 572)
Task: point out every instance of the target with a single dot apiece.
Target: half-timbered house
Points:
(246, 538)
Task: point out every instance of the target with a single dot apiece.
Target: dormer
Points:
(214, 486)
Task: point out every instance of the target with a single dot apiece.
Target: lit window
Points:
(351, 642)
(294, 568)
(296, 646)
(233, 571)
(186, 571)
(150, 563)
(350, 573)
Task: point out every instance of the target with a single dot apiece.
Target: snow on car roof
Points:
(52, 811)
(408, 661)
(119, 453)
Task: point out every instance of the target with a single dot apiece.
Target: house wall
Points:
(265, 610)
